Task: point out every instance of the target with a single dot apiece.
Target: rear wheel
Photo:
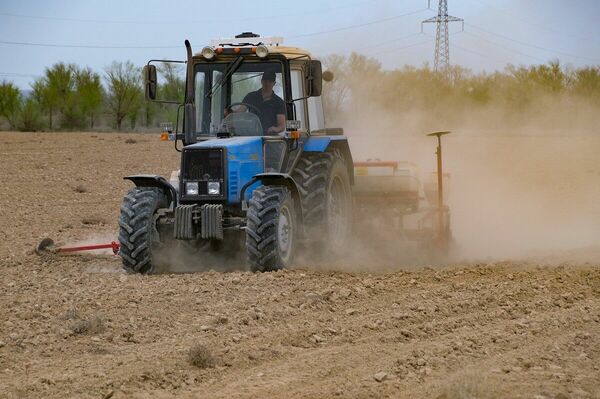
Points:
(138, 233)
(271, 229)
(326, 195)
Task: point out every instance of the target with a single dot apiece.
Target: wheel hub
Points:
(284, 233)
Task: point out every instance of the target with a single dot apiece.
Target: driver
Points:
(270, 105)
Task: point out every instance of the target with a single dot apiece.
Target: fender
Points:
(275, 179)
(155, 181)
(328, 143)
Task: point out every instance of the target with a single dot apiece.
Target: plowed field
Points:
(79, 327)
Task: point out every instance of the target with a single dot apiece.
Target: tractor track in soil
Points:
(77, 326)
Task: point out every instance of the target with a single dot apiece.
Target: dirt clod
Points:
(80, 189)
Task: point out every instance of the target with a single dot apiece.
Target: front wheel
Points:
(271, 230)
(138, 234)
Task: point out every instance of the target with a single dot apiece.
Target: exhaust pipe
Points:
(189, 109)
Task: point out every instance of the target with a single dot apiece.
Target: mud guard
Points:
(325, 143)
(158, 182)
(275, 179)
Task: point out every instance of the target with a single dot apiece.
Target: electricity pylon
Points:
(442, 46)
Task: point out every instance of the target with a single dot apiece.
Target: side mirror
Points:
(315, 79)
(150, 74)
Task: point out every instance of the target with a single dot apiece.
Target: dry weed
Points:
(200, 356)
(93, 220)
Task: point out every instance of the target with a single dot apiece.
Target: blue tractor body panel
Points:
(321, 143)
(244, 161)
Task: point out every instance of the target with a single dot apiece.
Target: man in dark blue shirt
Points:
(270, 105)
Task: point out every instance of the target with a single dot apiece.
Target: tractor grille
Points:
(202, 165)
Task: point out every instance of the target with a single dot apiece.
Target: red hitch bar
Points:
(47, 245)
(113, 245)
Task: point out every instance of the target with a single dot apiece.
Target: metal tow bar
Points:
(47, 245)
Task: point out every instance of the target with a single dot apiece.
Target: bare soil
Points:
(77, 326)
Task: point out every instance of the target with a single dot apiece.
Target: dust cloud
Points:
(524, 184)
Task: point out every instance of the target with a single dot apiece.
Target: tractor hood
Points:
(244, 161)
(246, 145)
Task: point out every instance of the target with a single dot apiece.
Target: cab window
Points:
(298, 92)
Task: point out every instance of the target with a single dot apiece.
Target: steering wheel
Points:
(230, 106)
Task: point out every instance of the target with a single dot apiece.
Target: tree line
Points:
(516, 94)
(70, 97)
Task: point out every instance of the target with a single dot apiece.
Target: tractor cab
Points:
(249, 86)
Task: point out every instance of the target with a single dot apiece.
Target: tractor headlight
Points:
(208, 53)
(191, 188)
(262, 51)
(214, 188)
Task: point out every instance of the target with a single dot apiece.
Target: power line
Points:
(378, 21)
(487, 56)
(84, 45)
(379, 44)
(393, 50)
(504, 47)
(528, 22)
(16, 74)
(212, 19)
(531, 45)
(171, 47)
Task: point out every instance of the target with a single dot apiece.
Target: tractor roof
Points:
(249, 40)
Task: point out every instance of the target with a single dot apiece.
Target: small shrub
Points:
(95, 325)
(130, 141)
(71, 314)
(200, 356)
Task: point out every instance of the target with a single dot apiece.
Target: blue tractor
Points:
(260, 173)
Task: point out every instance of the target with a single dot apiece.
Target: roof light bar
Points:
(248, 41)
(208, 53)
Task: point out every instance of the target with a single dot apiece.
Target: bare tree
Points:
(124, 97)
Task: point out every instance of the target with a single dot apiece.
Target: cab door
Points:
(298, 93)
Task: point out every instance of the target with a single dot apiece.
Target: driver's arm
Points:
(280, 125)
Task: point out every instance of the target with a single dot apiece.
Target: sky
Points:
(35, 34)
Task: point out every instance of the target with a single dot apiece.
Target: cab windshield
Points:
(239, 98)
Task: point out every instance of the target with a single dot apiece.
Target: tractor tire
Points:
(271, 229)
(138, 234)
(326, 196)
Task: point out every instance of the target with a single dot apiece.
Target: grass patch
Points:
(200, 356)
